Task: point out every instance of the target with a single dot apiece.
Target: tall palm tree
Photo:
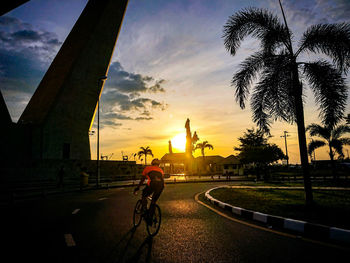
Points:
(331, 138)
(279, 93)
(202, 146)
(145, 151)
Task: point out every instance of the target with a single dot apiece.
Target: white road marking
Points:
(103, 198)
(75, 211)
(69, 240)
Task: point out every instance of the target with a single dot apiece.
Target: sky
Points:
(169, 64)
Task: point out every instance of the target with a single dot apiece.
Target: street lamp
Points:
(100, 80)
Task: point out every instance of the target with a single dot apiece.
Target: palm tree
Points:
(145, 151)
(331, 138)
(202, 146)
(279, 93)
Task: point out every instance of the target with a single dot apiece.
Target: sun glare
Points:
(179, 142)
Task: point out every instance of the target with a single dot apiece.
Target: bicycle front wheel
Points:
(137, 213)
(153, 228)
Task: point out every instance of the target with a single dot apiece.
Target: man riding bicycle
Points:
(155, 185)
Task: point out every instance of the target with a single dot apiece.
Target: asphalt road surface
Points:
(96, 226)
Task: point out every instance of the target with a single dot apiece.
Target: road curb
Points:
(303, 228)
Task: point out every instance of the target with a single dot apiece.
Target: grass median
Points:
(332, 208)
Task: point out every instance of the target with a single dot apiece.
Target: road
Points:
(96, 226)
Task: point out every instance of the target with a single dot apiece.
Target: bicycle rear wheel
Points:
(137, 213)
(156, 220)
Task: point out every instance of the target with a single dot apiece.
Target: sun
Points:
(179, 142)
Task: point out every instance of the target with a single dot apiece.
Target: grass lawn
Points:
(332, 208)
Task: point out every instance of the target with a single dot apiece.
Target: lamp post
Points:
(100, 80)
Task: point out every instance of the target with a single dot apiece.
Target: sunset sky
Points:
(169, 64)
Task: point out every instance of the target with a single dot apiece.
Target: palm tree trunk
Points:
(299, 111)
(331, 155)
(146, 159)
(204, 167)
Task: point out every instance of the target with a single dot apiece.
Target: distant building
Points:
(185, 163)
(209, 164)
(232, 166)
(175, 163)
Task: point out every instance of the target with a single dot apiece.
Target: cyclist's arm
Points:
(143, 178)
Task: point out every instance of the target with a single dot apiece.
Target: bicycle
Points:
(140, 214)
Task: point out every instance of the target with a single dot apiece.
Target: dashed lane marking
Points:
(75, 211)
(69, 240)
(103, 198)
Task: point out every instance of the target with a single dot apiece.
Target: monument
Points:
(63, 106)
(56, 122)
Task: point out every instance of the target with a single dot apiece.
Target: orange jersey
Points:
(153, 173)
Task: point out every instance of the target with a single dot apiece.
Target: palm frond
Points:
(318, 130)
(329, 89)
(330, 39)
(337, 146)
(249, 68)
(345, 141)
(209, 146)
(339, 131)
(315, 144)
(273, 97)
(259, 23)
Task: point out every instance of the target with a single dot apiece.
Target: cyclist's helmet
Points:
(155, 162)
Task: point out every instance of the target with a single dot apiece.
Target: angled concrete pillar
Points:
(5, 116)
(63, 106)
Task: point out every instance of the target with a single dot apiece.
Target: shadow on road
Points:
(125, 249)
(148, 242)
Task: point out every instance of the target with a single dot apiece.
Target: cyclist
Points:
(155, 185)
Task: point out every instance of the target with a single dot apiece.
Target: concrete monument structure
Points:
(54, 127)
(62, 108)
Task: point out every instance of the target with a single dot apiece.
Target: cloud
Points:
(301, 13)
(144, 118)
(132, 83)
(156, 87)
(119, 106)
(125, 93)
(21, 37)
(26, 53)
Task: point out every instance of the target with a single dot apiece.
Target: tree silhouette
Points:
(331, 138)
(202, 146)
(255, 149)
(145, 152)
(279, 93)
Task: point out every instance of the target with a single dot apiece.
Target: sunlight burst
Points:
(179, 142)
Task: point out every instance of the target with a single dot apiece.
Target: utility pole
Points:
(285, 135)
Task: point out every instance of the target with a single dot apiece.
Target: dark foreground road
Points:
(96, 226)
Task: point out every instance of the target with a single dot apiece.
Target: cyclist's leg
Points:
(158, 189)
(147, 191)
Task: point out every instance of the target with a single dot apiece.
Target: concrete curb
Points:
(300, 227)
